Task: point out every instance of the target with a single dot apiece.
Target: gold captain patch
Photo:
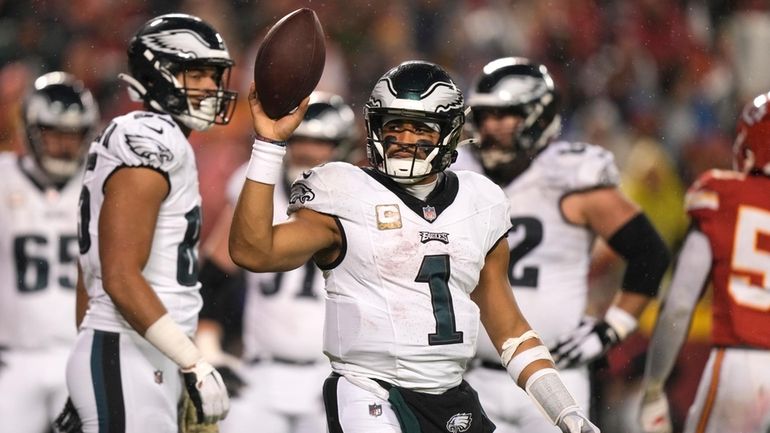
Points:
(388, 216)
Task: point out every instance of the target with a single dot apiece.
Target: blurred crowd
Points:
(658, 82)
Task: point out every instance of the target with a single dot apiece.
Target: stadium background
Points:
(658, 82)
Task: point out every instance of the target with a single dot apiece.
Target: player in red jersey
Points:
(729, 245)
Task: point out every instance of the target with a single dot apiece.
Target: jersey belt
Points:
(286, 361)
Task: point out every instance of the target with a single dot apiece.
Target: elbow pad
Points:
(646, 255)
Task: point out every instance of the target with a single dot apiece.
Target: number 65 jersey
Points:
(38, 253)
(398, 302)
(154, 141)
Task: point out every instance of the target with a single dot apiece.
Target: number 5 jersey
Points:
(398, 297)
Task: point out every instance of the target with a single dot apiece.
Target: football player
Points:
(38, 251)
(283, 313)
(727, 246)
(562, 196)
(139, 223)
(412, 254)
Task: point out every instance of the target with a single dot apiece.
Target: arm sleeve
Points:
(690, 276)
(646, 255)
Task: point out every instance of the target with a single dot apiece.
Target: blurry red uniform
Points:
(733, 211)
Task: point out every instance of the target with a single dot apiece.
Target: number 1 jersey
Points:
(154, 141)
(398, 297)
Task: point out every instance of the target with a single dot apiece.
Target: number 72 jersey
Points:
(733, 211)
(152, 141)
(398, 302)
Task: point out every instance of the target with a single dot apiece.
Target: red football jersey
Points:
(733, 210)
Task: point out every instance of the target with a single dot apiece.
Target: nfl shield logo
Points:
(429, 213)
(158, 377)
(375, 410)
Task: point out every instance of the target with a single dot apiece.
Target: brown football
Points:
(289, 62)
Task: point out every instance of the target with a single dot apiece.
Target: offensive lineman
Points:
(412, 257)
(38, 251)
(562, 196)
(283, 312)
(727, 245)
(139, 224)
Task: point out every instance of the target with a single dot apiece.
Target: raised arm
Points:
(521, 351)
(255, 243)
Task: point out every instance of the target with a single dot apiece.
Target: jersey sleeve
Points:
(597, 169)
(580, 166)
(490, 196)
(315, 189)
(702, 199)
(146, 142)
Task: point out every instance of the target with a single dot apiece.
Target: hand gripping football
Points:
(289, 62)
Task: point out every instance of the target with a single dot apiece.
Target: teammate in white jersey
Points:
(562, 196)
(38, 251)
(139, 224)
(284, 311)
(413, 255)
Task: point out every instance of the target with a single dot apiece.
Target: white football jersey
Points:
(144, 139)
(38, 258)
(550, 257)
(398, 297)
(283, 314)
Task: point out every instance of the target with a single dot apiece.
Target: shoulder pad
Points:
(145, 139)
(317, 188)
(578, 166)
(703, 195)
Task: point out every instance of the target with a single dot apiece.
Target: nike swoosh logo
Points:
(159, 130)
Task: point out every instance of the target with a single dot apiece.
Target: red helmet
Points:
(751, 151)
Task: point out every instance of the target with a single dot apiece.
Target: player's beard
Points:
(501, 163)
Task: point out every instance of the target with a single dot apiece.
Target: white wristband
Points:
(522, 360)
(510, 345)
(622, 322)
(168, 337)
(265, 163)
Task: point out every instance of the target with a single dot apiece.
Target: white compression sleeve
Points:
(550, 395)
(692, 270)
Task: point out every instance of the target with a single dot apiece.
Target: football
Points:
(289, 62)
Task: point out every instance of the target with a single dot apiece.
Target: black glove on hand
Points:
(588, 342)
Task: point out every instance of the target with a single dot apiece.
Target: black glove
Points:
(588, 342)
